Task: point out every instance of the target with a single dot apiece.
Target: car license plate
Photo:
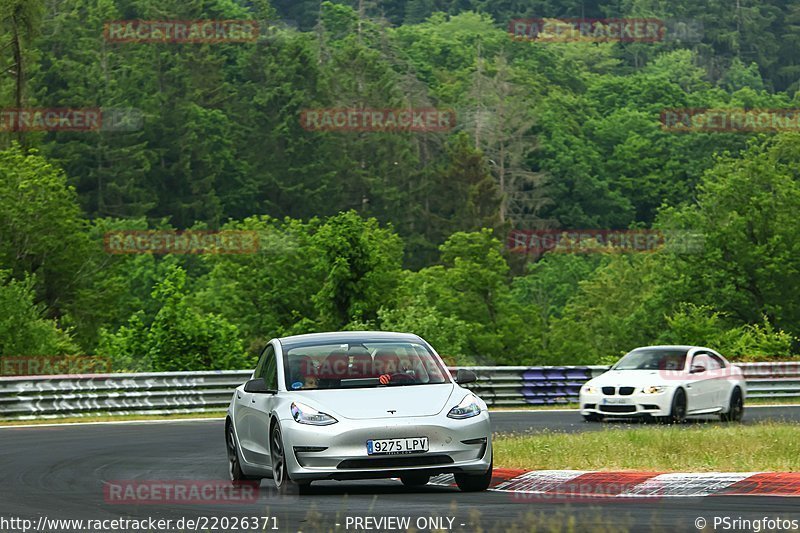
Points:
(617, 401)
(404, 445)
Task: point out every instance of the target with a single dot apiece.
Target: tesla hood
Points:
(405, 400)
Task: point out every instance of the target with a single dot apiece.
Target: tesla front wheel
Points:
(593, 417)
(474, 483)
(735, 409)
(415, 480)
(280, 475)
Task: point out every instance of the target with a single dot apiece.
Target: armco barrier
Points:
(192, 392)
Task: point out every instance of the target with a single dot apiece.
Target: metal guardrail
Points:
(192, 392)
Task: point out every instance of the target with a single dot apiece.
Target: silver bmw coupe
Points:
(357, 405)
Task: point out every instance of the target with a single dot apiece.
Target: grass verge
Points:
(767, 446)
(110, 418)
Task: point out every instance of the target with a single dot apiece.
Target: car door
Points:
(255, 408)
(242, 414)
(260, 407)
(700, 386)
(718, 372)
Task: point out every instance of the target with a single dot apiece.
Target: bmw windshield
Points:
(652, 359)
(360, 364)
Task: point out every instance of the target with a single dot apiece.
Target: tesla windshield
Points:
(346, 365)
(652, 360)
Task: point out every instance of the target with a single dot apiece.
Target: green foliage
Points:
(699, 324)
(179, 338)
(398, 230)
(359, 263)
(23, 329)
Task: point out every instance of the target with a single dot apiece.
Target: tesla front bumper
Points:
(636, 404)
(339, 451)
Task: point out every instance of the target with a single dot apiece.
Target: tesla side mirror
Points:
(257, 385)
(466, 376)
(697, 369)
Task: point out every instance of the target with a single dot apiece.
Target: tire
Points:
(234, 465)
(278, 459)
(735, 407)
(280, 475)
(677, 414)
(593, 417)
(415, 480)
(475, 483)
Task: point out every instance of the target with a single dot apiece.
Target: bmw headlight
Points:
(654, 389)
(589, 389)
(308, 415)
(466, 409)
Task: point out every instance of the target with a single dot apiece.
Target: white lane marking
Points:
(442, 480)
(686, 485)
(123, 422)
(534, 410)
(671, 485)
(539, 481)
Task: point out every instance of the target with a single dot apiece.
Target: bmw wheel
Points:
(736, 407)
(677, 414)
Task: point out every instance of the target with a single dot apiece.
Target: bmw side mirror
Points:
(697, 369)
(258, 386)
(466, 376)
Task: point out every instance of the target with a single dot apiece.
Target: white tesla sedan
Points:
(667, 382)
(357, 405)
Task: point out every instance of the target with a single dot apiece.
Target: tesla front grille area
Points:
(394, 462)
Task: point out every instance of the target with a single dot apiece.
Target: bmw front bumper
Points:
(636, 404)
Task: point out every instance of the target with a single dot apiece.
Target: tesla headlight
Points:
(308, 415)
(466, 409)
(589, 389)
(654, 389)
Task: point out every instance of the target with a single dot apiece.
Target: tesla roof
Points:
(335, 337)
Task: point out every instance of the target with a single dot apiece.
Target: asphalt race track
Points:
(58, 472)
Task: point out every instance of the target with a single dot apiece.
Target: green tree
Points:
(359, 262)
(179, 338)
(24, 330)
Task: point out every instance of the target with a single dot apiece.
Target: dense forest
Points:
(398, 230)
